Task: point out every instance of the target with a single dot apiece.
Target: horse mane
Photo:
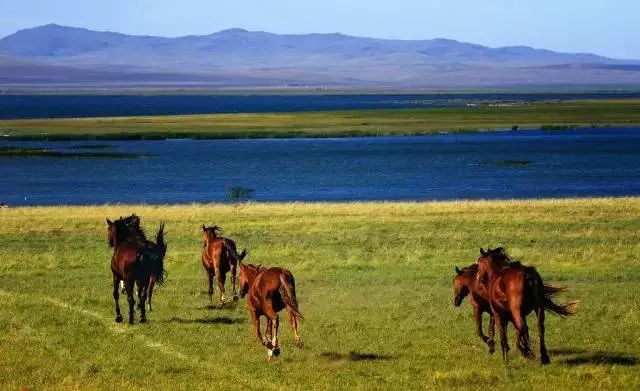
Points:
(472, 267)
(214, 230)
(128, 228)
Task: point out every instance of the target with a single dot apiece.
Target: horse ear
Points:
(204, 229)
(458, 271)
(482, 252)
(109, 222)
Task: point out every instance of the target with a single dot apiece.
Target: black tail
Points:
(288, 293)
(550, 291)
(562, 310)
(153, 257)
(231, 250)
(545, 293)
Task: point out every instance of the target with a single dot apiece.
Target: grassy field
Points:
(331, 124)
(374, 283)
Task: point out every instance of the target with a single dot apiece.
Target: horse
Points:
(133, 222)
(466, 284)
(270, 290)
(515, 291)
(135, 260)
(219, 256)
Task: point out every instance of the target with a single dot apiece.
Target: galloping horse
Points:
(466, 284)
(270, 290)
(219, 256)
(135, 260)
(515, 291)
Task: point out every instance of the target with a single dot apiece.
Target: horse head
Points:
(490, 262)
(462, 283)
(248, 273)
(210, 233)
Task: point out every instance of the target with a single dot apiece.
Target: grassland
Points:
(374, 283)
(550, 115)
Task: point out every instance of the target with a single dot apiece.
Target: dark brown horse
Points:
(270, 290)
(135, 261)
(219, 256)
(466, 284)
(515, 291)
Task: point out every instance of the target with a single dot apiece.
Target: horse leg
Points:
(502, 331)
(116, 297)
(477, 316)
(522, 333)
(221, 277)
(152, 283)
(255, 319)
(275, 337)
(294, 327)
(492, 333)
(142, 296)
(128, 285)
(544, 356)
(210, 275)
(234, 268)
(268, 332)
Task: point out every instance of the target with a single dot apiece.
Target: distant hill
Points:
(236, 57)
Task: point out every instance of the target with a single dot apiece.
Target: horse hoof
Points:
(299, 344)
(143, 320)
(545, 360)
(119, 319)
(492, 347)
(276, 351)
(131, 321)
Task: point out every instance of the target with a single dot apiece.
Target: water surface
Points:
(493, 165)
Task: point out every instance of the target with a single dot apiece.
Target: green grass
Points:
(547, 115)
(374, 284)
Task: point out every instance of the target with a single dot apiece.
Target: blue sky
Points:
(606, 27)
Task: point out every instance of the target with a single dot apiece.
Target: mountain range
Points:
(59, 55)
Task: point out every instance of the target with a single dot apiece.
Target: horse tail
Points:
(550, 291)
(288, 292)
(230, 246)
(562, 310)
(157, 256)
(544, 293)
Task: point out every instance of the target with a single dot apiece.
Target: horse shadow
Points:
(221, 306)
(355, 356)
(584, 357)
(216, 320)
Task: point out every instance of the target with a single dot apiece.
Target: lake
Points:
(60, 106)
(495, 165)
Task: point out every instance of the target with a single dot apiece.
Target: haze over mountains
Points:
(57, 55)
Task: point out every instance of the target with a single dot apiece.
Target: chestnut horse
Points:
(270, 290)
(466, 284)
(135, 260)
(515, 291)
(219, 256)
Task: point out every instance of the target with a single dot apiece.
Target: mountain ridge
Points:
(310, 59)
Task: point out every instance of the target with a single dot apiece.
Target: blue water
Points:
(577, 162)
(51, 106)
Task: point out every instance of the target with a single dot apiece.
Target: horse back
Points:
(214, 256)
(265, 291)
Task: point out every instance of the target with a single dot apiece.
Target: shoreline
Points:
(331, 124)
(445, 203)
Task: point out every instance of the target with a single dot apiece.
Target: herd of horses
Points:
(139, 262)
(495, 284)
